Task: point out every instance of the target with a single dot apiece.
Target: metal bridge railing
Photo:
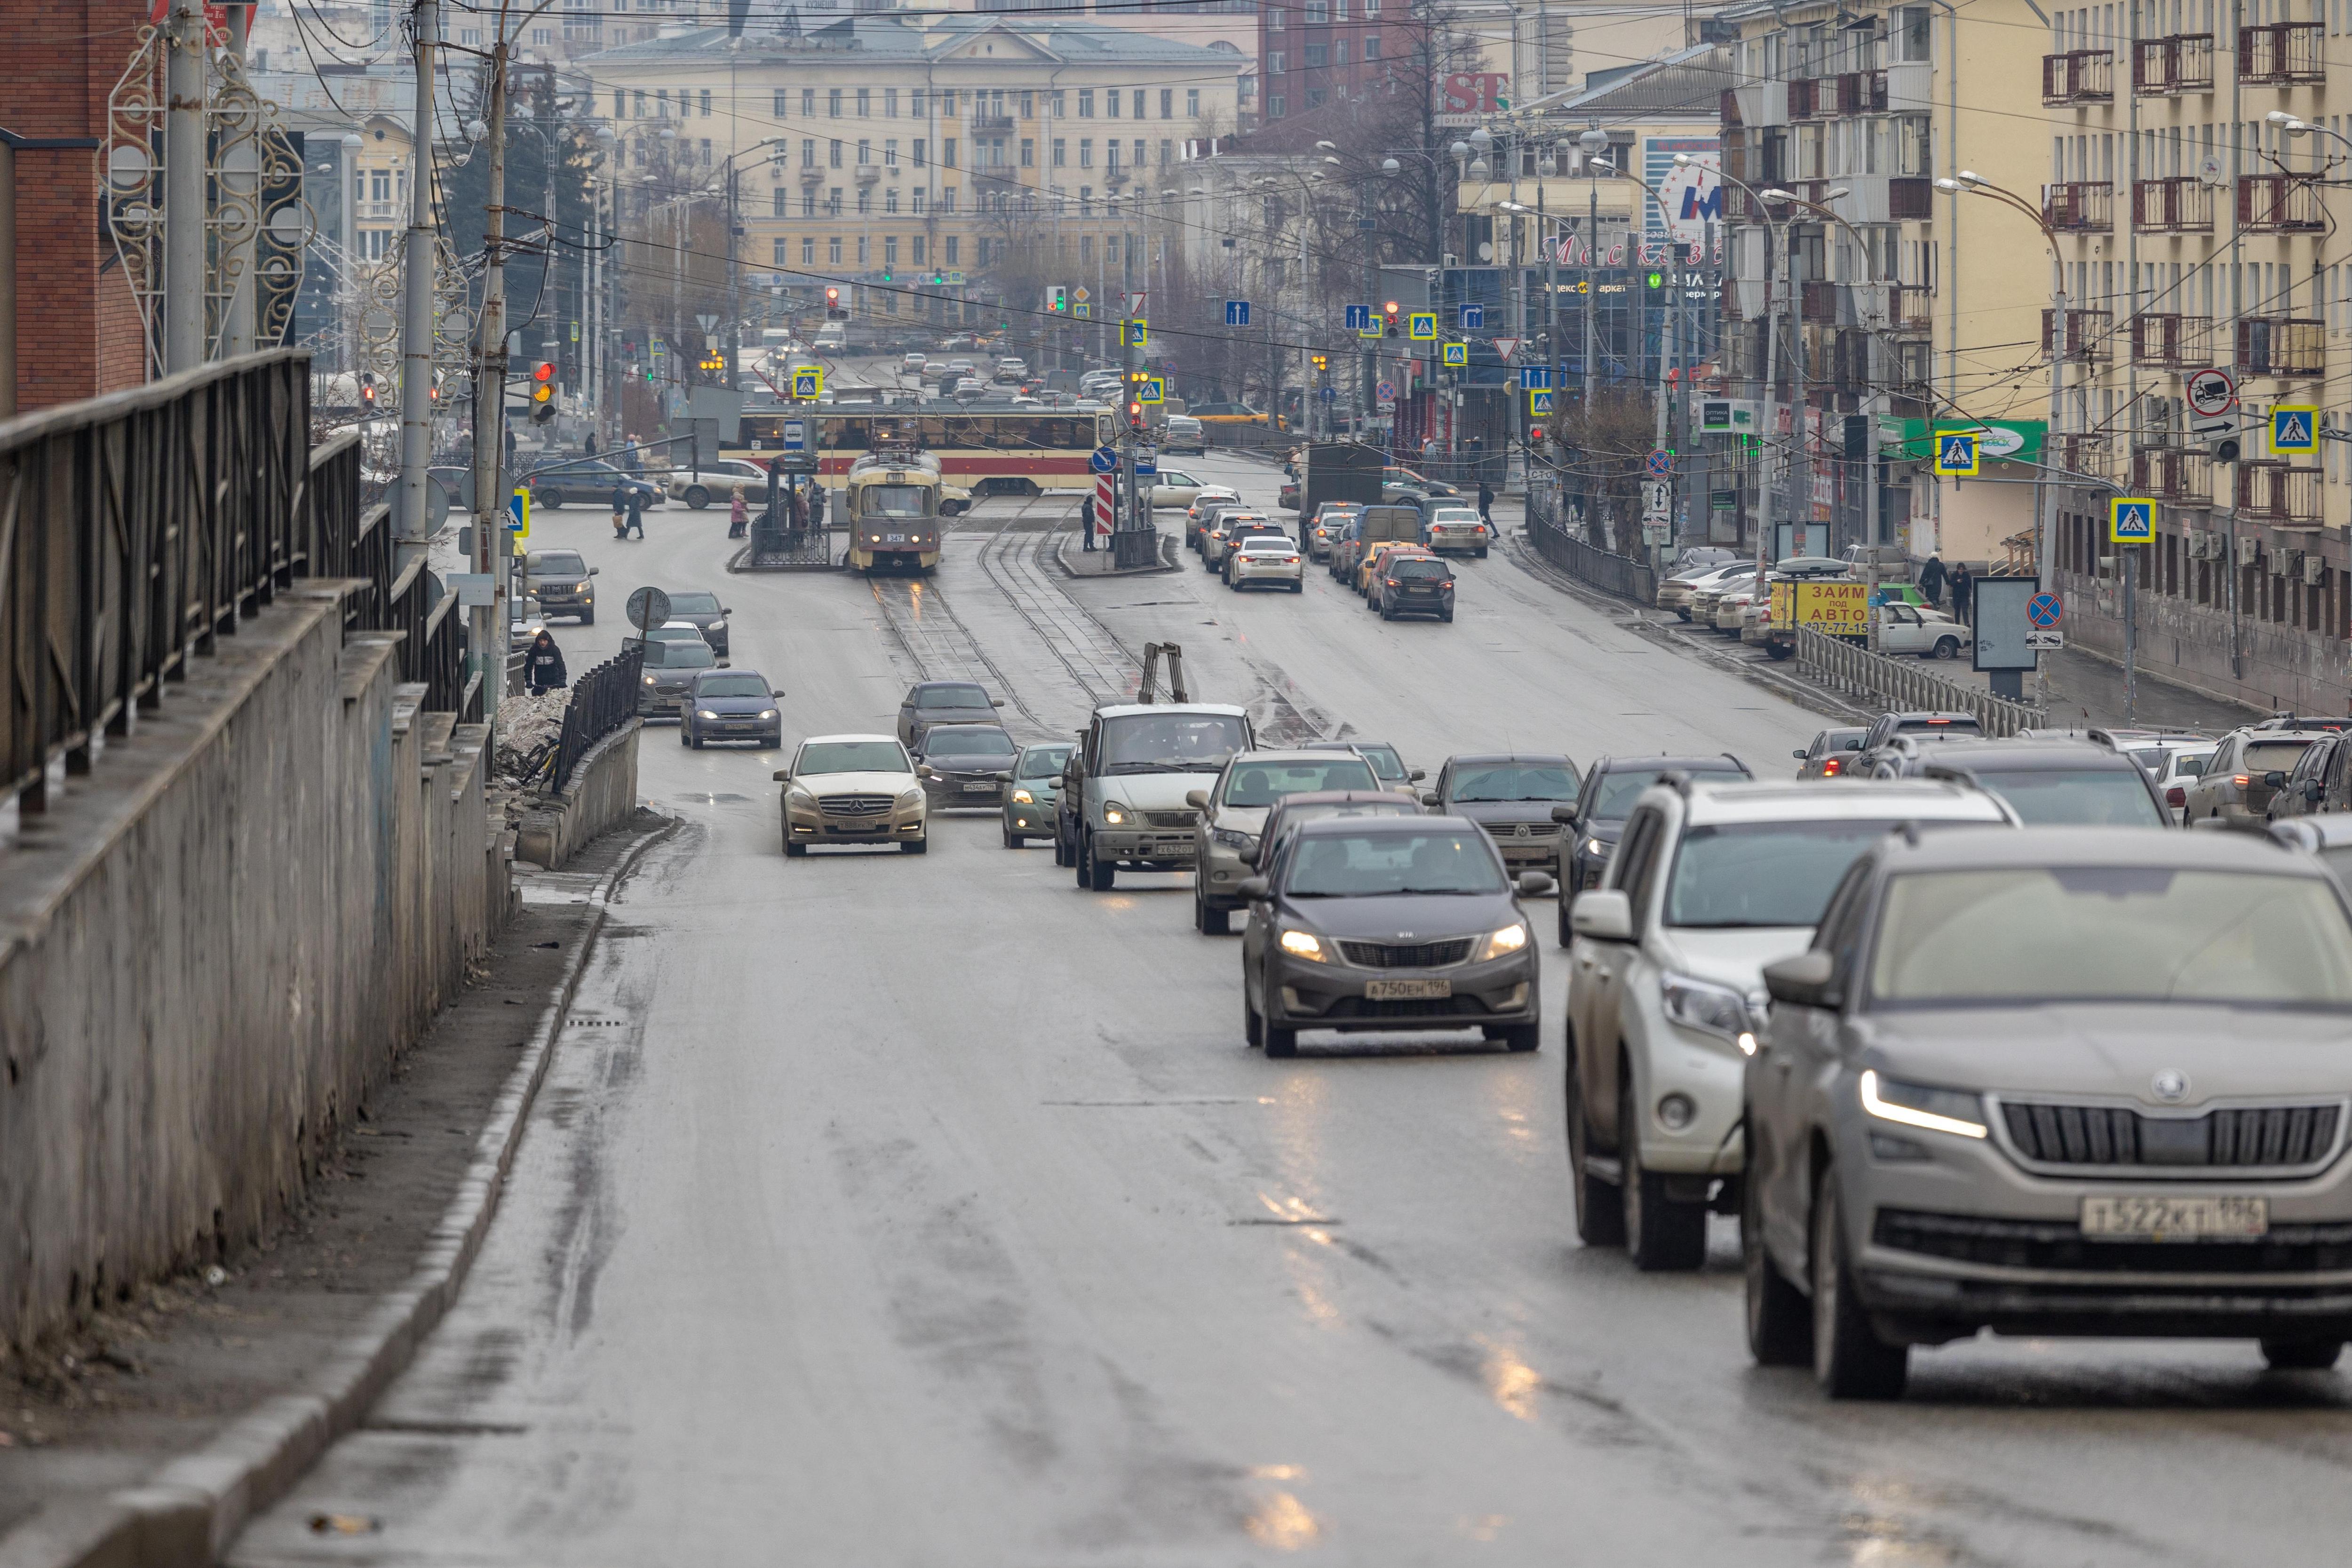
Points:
(1900, 685)
(602, 702)
(1621, 575)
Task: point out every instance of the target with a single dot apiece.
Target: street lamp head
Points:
(1593, 139)
(1460, 150)
(1971, 178)
(1390, 165)
(1327, 146)
(1683, 160)
(1775, 194)
(669, 133)
(1333, 163)
(2279, 117)
(604, 134)
(352, 139)
(1482, 139)
(1832, 195)
(476, 130)
(1953, 186)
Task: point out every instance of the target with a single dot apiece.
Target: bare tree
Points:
(1601, 449)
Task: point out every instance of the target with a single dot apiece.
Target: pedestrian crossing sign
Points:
(1457, 353)
(2295, 430)
(808, 382)
(2131, 521)
(1155, 389)
(1420, 326)
(1138, 334)
(1538, 400)
(1956, 454)
(519, 513)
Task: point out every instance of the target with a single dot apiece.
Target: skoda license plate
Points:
(1407, 990)
(2154, 1217)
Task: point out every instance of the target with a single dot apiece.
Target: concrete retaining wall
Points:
(212, 946)
(602, 794)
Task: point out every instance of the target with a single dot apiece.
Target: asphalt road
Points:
(886, 1210)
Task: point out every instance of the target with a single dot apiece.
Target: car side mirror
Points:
(775, 694)
(1005, 774)
(996, 702)
(1534, 884)
(594, 570)
(1428, 797)
(1564, 815)
(1418, 774)
(1197, 800)
(2312, 790)
(2274, 778)
(1605, 914)
(1807, 979)
(923, 771)
(724, 664)
(1254, 888)
(1799, 753)
(782, 775)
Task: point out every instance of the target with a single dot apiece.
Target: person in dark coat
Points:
(1963, 587)
(1931, 580)
(1486, 504)
(636, 511)
(620, 508)
(589, 449)
(544, 663)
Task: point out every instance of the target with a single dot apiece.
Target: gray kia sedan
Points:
(1400, 923)
(2054, 1082)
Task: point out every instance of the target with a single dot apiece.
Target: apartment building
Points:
(2197, 233)
(1911, 311)
(888, 144)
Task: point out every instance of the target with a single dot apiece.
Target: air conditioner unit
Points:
(1451, 259)
(2282, 561)
(2312, 567)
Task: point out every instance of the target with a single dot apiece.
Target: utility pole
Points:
(186, 165)
(1799, 503)
(491, 552)
(410, 514)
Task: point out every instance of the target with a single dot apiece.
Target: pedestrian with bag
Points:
(1486, 505)
(1931, 580)
(543, 664)
(636, 511)
(620, 508)
(738, 515)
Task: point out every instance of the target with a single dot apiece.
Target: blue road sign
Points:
(1534, 377)
(2131, 521)
(1237, 312)
(794, 434)
(1660, 462)
(1955, 453)
(1359, 317)
(2043, 609)
(808, 382)
(1328, 395)
(1387, 391)
(1104, 461)
(1473, 316)
(2295, 430)
(1147, 461)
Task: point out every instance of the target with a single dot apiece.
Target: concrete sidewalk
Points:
(1097, 563)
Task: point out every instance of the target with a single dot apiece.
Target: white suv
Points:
(1665, 988)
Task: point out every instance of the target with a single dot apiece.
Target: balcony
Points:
(1910, 198)
(2090, 336)
(2172, 342)
(811, 174)
(2091, 453)
(2280, 203)
(989, 124)
(2280, 53)
(2082, 207)
(1819, 302)
(2079, 75)
(1913, 313)
(2181, 63)
(868, 173)
(2173, 474)
(1912, 369)
(2279, 494)
(1805, 96)
(2282, 346)
(1861, 92)
(2180, 203)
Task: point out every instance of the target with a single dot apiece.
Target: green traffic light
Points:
(1657, 280)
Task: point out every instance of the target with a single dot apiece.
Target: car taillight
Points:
(1832, 766)
(1393, 581)
(2176, 796)
(1933, 722)
(1447, 584)
(2241, 780)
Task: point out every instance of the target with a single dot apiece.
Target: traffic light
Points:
(542, 393)
(1389, 314)
(1322, 362)
(1135, 414)
(367, 391)
(832, 304)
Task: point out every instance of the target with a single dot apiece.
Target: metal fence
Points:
(1621, 575)
(137, 528)
(1899, 685)
(602, 702)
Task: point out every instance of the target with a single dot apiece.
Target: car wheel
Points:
(1299, 586)
(1209, 921)
(1779, 1332)
(696, 497)
(587, 617)
(2300, 1355)
(551, 499)
(1253, 1027)
(1600, 1208)
(1445, 616)
(1682, 614)
(1100, 874)
(1280, 1042)
(1662, 1236)
(1947, 648)
(1061, 850)
(1850, 1362)
(1778, 651)
(1566, 903)
(915, 845)
(1482, 553)
(1013, 840)
(685, 735)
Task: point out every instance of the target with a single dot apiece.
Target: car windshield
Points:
(1170, 742)
(674, 634)
(1044, 761)
(2111, 934)
(1269, 544)
(2107, 798)
(951, 697)
(1763, 873)
(976, 741)
(695, 655)
(1385, 762)
(892, 500)
(1419, 568)
(1618, 791)
(694, 603)
(555, 563)
(732, 686)
(1263, 783)
(1370, 865)
(852, 757)
(1515, 781)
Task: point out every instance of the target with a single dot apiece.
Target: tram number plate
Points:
(1407, 990)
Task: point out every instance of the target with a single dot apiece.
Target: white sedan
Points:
(1267, 558)
(1454, 528)
(1176, 488)
(715, 480)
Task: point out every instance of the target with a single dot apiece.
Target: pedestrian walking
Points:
(636, 511)
(1093, 520)
(1486, 505)
(1428, 451)
(620, 508)
(589, 447)
(543, 662)
(1931, 580)
(738, 515)
(631, 458)
(1963, 589)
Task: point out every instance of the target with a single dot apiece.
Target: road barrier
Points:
(1618, 574)
(602, 702)
(1901, 685)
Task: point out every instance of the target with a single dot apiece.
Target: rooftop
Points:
(968, 37)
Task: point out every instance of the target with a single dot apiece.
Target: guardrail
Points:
(1899, 685)
(602, 702)
(1621, 575)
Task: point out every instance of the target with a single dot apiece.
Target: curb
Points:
(1061, 543)
(187, 1513)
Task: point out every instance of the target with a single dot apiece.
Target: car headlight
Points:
(1504, 942)
(1114, 814)
(911, 797)
(1952, 1110)
(1304, 945)
(1594, 847)
(795, 795)
(767, 713)
(579, 587)
(719, 625)
(704, 713)
(1023, 797)
(1231, 838)
(1709, 1008)
(649, 680)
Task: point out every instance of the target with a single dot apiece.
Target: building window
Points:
(639, 111)
(919, 212)
(783, 202)
(918, 248)
(1028, 105)
(783, 104)
(1371, 40)
(1028, 152)
(833, 250)
(1274, 20)
(808, 103)
(779, 251)
(1315, 96)
(915, 151)
(1138, 159)
(1085, 103)
(890, 250)
(836, 152)
(947, 199)
(1086, 151)
(946, 152)
(889, 103)
(865, 103)
(542, 36)
(808, 250)
(1338, 51)
(706, 151)
(1318, 57)
(808, 204)
(833, 102)
(947, 104)
(865, 200)
(1273, 106)
(890, 200)
(1167, 103)
(1372, 9)
(890, 152)
(1191, 103)
(705, 104)
(951, 250)
(1165, 148)
(808, 152)
(1086, 249)
(1060, 105)
(1319, 13)
(865, 250)
(833, 200)
(1061, 153)
(1110, 156)
(917, 103)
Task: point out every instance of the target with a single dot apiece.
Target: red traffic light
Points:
(1390, 310)
(545, 372)
(367, 387)
(833, 295)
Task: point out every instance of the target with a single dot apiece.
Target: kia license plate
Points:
(1407, 990)
(978, 788)
(2155, 1216)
